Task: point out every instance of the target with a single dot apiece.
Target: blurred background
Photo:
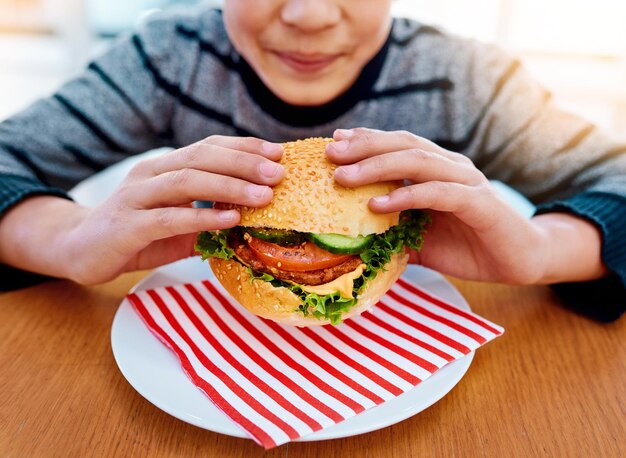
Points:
(577, 48)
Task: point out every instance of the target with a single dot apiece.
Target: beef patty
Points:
(310, 277)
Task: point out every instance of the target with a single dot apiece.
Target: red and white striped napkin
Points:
(280, 383)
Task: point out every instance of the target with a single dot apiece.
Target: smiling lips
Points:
(306, 63)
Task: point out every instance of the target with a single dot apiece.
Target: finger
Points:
(164, 251)
(247, 166)
(433, 195)
(226, 155)
(414, 256)
(479, 207)
(253, 145)
(168, 222)
(357, 144)
(417, 165)
(183, 186)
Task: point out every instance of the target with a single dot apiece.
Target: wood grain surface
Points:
(553, 385)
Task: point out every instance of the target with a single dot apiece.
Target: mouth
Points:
(306, 63)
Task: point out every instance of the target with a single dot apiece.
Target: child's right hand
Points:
(148, 220)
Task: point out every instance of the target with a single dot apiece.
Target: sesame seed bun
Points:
(309, 200)
(281, 305)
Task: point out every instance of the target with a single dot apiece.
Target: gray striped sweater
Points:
(178, 79)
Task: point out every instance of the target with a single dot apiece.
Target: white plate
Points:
(155, 372)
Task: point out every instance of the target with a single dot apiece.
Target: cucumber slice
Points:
(342, 244)
(285, 238)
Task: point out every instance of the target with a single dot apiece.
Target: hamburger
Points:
(316, 254)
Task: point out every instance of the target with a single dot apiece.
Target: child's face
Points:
(307, 51)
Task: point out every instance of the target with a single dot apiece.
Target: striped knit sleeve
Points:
(560, 161)
(14, 188)
(119, 106)
(605, 299)
(114, 109)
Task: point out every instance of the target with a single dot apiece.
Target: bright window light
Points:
(569, 26)
(582, 27)
(473, 18)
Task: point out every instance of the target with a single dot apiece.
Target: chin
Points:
(306, 94)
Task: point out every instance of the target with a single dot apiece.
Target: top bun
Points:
(309, 200)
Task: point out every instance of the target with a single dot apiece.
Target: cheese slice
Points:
(343, 284)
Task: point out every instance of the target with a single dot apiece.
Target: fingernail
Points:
(381, 199)
(258, 192)
(340, 147)
(345, 133)
(271, 148)
(349, 170)
(228, 215)
(270, 169)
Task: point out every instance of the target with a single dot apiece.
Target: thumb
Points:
(414, 256)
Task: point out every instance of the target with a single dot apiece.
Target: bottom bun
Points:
(281, 305)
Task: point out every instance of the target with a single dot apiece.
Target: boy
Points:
(447, 114)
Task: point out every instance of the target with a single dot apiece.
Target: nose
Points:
(311, 15)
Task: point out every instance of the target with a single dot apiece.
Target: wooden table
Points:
(553, 385)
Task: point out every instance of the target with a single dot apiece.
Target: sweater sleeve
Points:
(560, 161)
(114, 109)
(604, 300)
(117, 107)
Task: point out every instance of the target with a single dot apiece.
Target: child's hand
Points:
(149, 221)
(474, 234)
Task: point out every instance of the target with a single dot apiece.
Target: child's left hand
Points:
(475, 234)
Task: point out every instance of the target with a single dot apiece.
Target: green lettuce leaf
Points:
(254, 275)
(408, 233)
(330, 307)
(213, 245)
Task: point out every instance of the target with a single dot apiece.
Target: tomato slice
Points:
(301, 258)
